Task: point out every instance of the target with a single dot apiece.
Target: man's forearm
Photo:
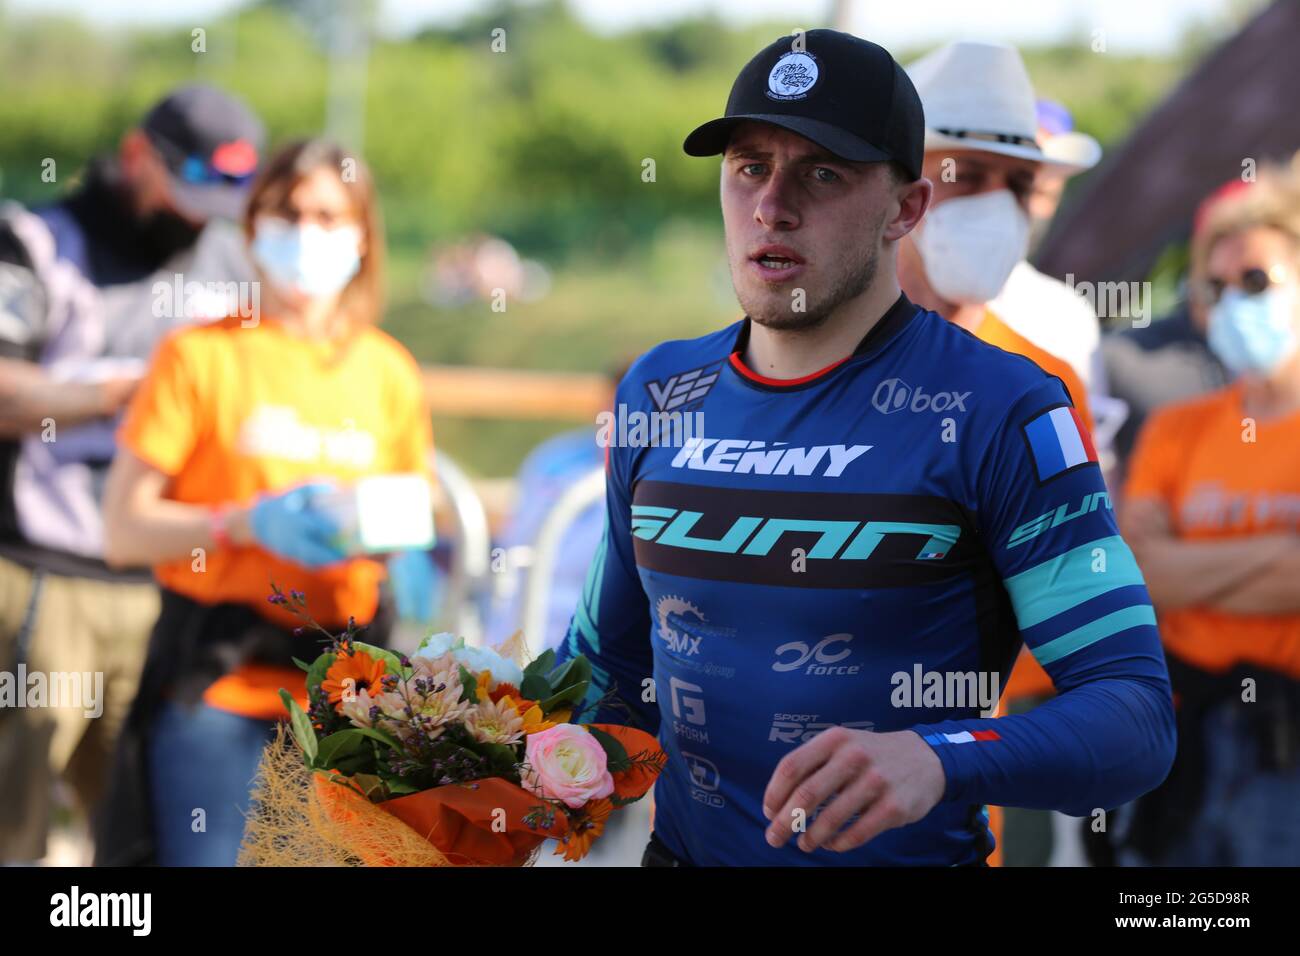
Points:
(29, 400)
(166, 531)
(1189, 573)
(1274, 589)
(1096, 746)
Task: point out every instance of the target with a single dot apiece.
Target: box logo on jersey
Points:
(1058, 442)
(894, 395)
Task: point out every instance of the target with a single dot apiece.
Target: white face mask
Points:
(309, 260)
(970, 245)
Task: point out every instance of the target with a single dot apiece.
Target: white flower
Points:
(475, 659)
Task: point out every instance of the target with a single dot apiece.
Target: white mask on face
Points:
(970, 244)
(309, 260)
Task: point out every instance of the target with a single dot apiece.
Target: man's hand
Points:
(889, 779)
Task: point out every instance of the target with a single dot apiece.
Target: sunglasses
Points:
(195, 170)
(1251, 281)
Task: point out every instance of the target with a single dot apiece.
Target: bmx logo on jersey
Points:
(793, 76)
(683, 626)
(1058, 442)
(894, 395)
(685, 390)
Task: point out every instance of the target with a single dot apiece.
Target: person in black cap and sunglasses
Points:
(104, 261)
(815, 600)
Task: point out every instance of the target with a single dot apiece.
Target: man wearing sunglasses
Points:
(101, 267)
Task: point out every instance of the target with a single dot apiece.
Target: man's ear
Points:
(913, 200)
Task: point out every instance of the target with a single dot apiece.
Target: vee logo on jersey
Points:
(685, 389)
(743, 457)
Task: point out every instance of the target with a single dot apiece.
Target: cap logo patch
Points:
(793, 76)
(236, 158)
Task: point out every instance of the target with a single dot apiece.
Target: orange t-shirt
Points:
(229, 412)
(1192, 457)
(1028, 679)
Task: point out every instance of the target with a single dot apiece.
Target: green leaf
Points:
(536, 687)
(316, 673)
(302, 665)
(502, 756)
(338, 747)
(371, 784)
(567, 697)
(382, 736)
(397, 786)
(571, 672)
(469, 685)
(615, 753)
(301, 726)
(541, 665)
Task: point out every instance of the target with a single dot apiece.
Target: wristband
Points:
(217, 519)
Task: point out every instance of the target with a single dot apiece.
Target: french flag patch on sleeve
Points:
(1058, 442)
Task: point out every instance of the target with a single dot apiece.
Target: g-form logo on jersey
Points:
(894, 395)
(743, 456)
(1058, 516)
(684, 390)
(688, 702)
(819, 659)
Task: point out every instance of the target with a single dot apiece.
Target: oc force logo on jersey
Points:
(836, 540)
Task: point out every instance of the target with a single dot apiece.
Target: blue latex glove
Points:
(416, 584)
(288, 526)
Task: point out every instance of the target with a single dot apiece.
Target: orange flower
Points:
(584, 831)
(504, 690)
(352, 673)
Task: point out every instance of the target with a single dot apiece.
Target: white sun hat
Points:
(978, 96)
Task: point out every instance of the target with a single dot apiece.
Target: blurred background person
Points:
(1212, 508)
(156, 208)
(1170, 359)
(1044, 309)
(229, 446)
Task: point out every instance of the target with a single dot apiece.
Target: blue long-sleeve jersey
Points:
(867, 547)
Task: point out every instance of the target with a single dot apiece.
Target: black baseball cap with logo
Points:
(846, 94)
(211, 144)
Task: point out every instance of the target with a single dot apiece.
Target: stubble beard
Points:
(854, 274)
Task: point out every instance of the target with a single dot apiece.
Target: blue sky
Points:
(1129, 25)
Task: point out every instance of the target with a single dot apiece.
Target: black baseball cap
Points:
(211, 144)
(846, 94)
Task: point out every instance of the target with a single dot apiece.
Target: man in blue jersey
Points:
(814, 597)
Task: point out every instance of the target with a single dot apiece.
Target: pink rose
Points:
(567, 763)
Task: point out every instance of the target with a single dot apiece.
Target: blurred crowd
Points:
(192, 373)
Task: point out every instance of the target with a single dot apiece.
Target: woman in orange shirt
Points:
(1212, 509)
(226, 449)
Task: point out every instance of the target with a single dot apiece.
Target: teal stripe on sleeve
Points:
(1067, 580)
(1094, 631)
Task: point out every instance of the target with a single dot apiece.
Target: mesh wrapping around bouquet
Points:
(301, 818)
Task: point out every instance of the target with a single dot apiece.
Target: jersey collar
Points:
(891, 323)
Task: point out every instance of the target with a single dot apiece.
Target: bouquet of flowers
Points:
(456, 755)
